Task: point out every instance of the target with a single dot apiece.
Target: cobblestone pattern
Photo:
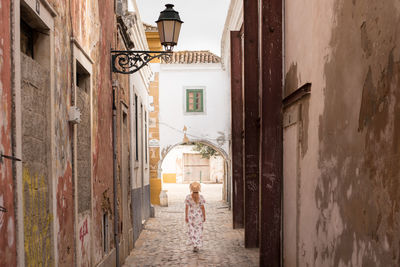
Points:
(163, 240)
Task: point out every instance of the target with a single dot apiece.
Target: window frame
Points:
(190, 89)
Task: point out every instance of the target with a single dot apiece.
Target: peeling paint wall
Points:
(7, 219)
(65, 194)
(154, 136)
(76, 226)
(348, 183)
(102, 133)
(153, 40)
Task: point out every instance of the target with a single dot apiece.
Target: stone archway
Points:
(164, 152)
(227, 177)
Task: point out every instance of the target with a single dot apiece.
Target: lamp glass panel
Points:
(168, 31)
(177, 31)
(161, 31)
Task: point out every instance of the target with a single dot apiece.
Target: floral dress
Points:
(195, 218)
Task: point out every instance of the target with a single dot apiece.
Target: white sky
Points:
(203, 21)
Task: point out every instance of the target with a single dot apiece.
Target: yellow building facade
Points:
(153, 40)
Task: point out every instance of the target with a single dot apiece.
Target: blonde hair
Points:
(195, 189)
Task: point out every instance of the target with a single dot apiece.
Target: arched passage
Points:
(167, 149)
(226, 190)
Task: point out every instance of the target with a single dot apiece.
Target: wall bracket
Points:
(128, 62)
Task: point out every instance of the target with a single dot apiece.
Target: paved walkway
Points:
(163, 241)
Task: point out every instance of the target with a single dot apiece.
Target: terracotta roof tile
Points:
(193, 57)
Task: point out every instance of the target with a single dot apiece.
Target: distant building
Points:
(194, 102)
(184, 165)
(190, 103)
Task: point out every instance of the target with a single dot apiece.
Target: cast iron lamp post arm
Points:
(128, 62)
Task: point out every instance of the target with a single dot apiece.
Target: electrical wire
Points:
(192, 135)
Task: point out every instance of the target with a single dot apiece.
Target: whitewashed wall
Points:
(214, 125)
(173, 163)
(139, 85)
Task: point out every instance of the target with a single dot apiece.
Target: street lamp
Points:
(169, 26)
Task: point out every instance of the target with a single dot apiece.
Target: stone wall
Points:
(38, 217)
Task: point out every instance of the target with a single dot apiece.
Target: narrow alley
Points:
(163, 240)
(286, 112)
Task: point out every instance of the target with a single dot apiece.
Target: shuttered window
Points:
(194, 100)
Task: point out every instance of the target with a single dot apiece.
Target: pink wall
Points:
(7, 219)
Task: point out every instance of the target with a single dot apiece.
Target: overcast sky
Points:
(203, 21)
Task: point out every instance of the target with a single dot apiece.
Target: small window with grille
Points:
(194, 100)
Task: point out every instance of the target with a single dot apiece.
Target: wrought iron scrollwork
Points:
(128, 62)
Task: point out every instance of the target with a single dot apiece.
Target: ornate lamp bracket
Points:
(128, 62)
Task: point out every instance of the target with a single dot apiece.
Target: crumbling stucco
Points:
(358, 191)
(291, 80)
(348, 194)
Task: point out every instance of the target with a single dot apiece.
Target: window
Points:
(27, 39)
(36, 29)
(82, 78)
(194, 100)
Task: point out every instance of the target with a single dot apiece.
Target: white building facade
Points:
(139, 121)
(195, 103)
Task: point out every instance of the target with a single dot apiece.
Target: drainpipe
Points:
(114, 137)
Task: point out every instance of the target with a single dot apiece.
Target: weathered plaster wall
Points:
(102, 133)
(154, 129)
(348, 187)
(153, 40)
(38, 217)
(217, 169)
(154, 138)
(93, 25)
(63, 225)
(7, 219)
(63, 180)
(123, 155)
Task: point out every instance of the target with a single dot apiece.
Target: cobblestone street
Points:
(163, 240)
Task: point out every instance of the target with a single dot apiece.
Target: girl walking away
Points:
(195, 215)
